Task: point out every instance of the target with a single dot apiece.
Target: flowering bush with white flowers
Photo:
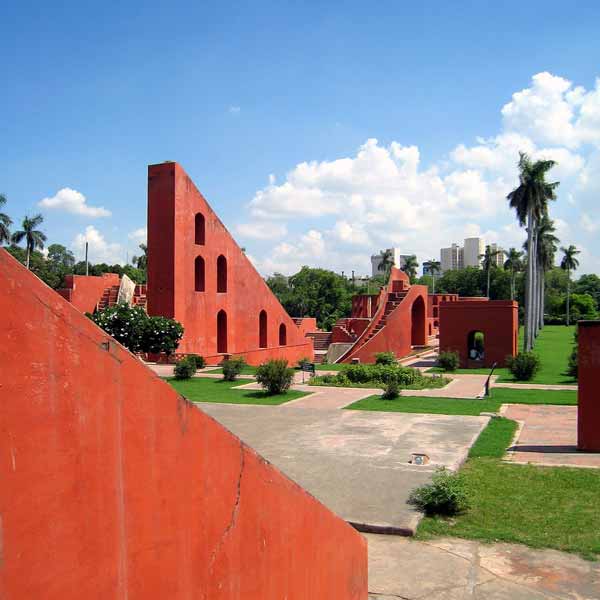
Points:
(132, 327)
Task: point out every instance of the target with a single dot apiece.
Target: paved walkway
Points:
(455, 569)
(356, 462)
(534, 386)
(547, 436)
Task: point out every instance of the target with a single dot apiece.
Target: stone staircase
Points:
(393, 301)
(109, 297)
(321, 342)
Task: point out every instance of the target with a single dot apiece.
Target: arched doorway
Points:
(262, 329)
(418, 328)
(282, 335)
(199, 274)
(476, 346)
(222, 332)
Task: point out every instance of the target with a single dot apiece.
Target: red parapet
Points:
(114, 486)
(588, 406)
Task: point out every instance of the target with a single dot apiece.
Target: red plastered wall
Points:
(173, 202)
(113, 486)
(588, 407)
(497, 319)
(84, 292)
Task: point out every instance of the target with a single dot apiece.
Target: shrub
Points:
(232, 367)
(275, 376)
(185, 368)
(385, 358)
(523, 366)
(391, 390)
(449, 361)
(124, 323)
(381, 374)
(197, 360)
(161, 334)
(446, 495)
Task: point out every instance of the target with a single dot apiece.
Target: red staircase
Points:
(321, 342)
(139, 296)
(109, 297)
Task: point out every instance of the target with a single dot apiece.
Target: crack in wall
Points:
(234, 511)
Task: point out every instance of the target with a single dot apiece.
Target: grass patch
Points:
(511, 396)
(205, 389)
(542, 507)
(422, 384)
(330, 367)
(553, 346)
(246, 370)
(422, 404)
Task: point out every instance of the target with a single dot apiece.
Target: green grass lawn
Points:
(459, 406)
(206, 389)
(543, 507)
(246, 370)
(553, 346)
(332, 367)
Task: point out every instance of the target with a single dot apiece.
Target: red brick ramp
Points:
(113, 486)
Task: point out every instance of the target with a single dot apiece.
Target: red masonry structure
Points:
(115, 487)
(588, 407)
(482, 331)
(398, 320)
(86, 292)
(199, 276)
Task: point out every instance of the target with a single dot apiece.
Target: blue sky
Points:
(318, 132)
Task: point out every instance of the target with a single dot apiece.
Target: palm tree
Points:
(387, 262)
(34, 238)
(410, 266)
(569, 263)
(488, 261)
(434, 268)
(514, 264)
(530, 201)
(5, 223)
(547, 245)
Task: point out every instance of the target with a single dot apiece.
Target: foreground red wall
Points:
(84, 292)
(173, 203)
(497, 319)
(114, 487)
(588, 407)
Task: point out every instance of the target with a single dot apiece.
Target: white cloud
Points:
(265, 230)
(235, 110)
(99, 249)
(72, 201)
(587, 223)
(139, 235)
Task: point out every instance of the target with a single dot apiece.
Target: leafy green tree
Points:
(34, 238)
(60, 255)
(530, 202)
(410, 266)
(488, 262)
(141, 261)
(569, 263)
(588, 284)
(38, 265)
(581, 306)
(434, 269)
(5, 223)
(547, 245)
(514, 264)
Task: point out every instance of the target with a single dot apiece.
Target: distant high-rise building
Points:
(451, 258)
(399, 261)
(473, 249)
(498, 259)
(468, 255)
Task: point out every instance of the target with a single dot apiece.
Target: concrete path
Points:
(455, 569)
(355, 462)
(461, 386)
(534, 386)
(547, 436)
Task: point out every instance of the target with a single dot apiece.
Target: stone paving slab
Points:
(547, 436)
(455, 569)
(355, 462)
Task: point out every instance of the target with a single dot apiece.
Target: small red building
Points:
(482, 331)
(198, 275)
(588, 407)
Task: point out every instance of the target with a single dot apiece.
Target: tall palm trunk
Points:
(512, 284)
(527, 342)
(28, 254)
(433, 285)
(542, 290)
(568, 296)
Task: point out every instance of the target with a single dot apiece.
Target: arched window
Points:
(221, 332)
(200, 229)
(221, 274)
(199, 274)
(475, 346)
(282, 335)
(262, 329)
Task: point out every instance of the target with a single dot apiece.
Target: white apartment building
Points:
(399, 261)
(451, 258)
(472, 250)
(499, 259)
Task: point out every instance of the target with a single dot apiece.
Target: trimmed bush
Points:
(185, 368)
(385, 358)
(446, 495)
(449, 361)
(232, 367)
(391, 390)
(160, 334)
(381, 374)
(275, 376)
(523, 366)
(197, 360)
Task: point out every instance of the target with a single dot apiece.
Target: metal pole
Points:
(87, 271)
